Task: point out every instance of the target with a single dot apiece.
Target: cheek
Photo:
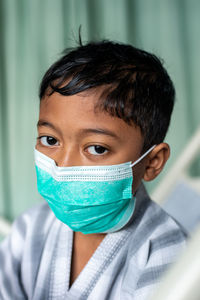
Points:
(37, 145)
(138, 174)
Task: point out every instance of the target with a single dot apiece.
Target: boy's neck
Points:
(84, 245)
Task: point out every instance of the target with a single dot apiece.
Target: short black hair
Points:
(136, 87)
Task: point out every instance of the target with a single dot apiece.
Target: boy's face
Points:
(73, 133)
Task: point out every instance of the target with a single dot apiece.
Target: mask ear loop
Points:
(145, 154)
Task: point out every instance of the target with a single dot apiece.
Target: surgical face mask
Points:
(89, 199)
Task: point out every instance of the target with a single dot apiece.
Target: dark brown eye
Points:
(97, 150)
(48, 141)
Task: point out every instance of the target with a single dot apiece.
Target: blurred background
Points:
(33, 34)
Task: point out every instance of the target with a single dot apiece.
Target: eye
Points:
(48, 141)
(97, 150)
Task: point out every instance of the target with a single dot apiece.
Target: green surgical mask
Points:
(89, 199)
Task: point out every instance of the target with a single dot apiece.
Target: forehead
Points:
(78, 112)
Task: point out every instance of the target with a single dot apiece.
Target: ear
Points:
(155, 161)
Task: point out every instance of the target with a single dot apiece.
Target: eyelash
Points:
(105, 150)
(98, 154)
(47, 136)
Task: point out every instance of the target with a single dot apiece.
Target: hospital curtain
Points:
(32, 35)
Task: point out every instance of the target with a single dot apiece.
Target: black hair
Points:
(135, 85)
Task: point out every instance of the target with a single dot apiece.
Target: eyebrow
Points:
(46, 124)
(84, 131)
(101, 131)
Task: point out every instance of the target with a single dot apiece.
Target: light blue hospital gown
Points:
(35, 260)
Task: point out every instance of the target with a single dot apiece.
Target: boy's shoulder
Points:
(38, 211)
(153, 217)
(34, 221)
(156, 240)
(153, 225)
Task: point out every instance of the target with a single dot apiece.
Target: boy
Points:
(104, 112)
